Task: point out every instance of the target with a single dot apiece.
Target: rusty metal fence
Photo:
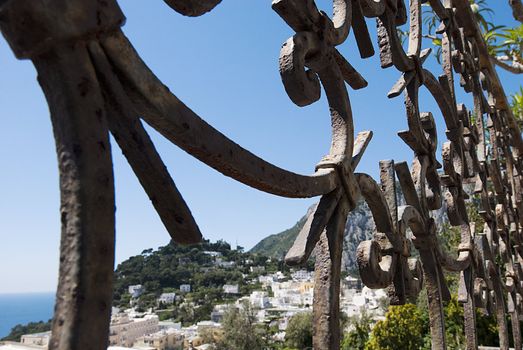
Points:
(96, 84)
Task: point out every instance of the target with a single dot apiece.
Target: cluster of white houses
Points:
(279, 299)
(127, 330)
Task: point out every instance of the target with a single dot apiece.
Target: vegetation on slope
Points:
(277, 245)
(32, 327)
(166, 269)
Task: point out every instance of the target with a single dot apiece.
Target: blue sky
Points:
(223, 65)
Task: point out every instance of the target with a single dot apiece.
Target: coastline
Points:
(22, 308)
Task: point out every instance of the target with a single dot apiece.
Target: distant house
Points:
(259, 299)
(231, 289)
(136, 290)
(212, 253)
(124, 330)
(218, 312)
(226, 264)
(162, 340)
(37, 339)
(169, 324)
(167, 298)
(257, 269)
(302, 275)
(185, 288)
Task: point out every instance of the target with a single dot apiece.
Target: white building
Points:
(213, 253)
(226, 264)
(169, 324)
(302, 275)
(231, 289)
(257, 269)
(162, 340)
(259, 299)
(185, 288)
(136, 290)
(218, 312)
(368, 299)
(39, 339)
(291, 294)
(205, 325)
(124, 331)
(167, 298)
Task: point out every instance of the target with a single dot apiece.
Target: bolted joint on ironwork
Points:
(426, 239)
(418, 68)
(456, 134)
(342, 165)
(33, 27)
(448, 22)
(466, 247)
(423, 242)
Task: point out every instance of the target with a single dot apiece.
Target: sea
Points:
(24, 308)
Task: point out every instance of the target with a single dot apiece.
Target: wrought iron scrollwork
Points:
(96, 84)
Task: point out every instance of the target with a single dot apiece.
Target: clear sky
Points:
(223, 65)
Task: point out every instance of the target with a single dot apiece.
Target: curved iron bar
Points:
(180, 125)
(384, 261)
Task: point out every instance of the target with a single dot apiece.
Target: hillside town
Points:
(277, 297)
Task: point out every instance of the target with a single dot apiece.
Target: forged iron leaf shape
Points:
(454, 194)
(421, 136)
(470, 140)
(324, 213)
(391, 48)
(425, 241)
(424, 193)
(466, 63)
(489, 272)
(384, 261)
(505, 230)
(496, 240)
(314, 46)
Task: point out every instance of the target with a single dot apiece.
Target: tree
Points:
(454, 325)
(505, 45)
(402, 329)
(240, 331)
(32, 327)
(517, 106)
(358, 336)
(506, 49)
(207, 336)
(487, 329)
(299, 331)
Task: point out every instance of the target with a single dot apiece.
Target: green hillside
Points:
(277, 245)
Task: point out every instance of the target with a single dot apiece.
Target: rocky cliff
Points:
(359, 227)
